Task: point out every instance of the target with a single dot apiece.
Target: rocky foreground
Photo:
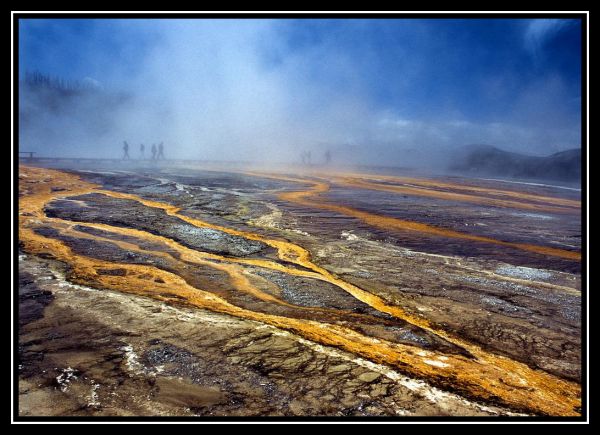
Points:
(178, 291)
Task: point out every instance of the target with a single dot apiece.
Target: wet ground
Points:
(225, 291)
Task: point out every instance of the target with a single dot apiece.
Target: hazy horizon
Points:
(379, 92)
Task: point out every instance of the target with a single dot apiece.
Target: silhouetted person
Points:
(125, 150)
(153, 150)
(160, 152)
(327, 157)
(142, 149)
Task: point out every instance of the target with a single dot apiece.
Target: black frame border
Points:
(293, 16)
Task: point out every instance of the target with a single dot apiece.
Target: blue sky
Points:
(514, 83)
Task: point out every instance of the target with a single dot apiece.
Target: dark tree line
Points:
(37, 79)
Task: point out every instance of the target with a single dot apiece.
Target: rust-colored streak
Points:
(309, 198)
(387, 222)
(429, 189)
(465, 187)
(485, 376)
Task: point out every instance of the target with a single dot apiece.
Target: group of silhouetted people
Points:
(157, 152)
(305, 157)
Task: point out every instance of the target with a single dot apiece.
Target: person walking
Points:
(142, 150)
(125, 150)
(160, 152)
(153, 150)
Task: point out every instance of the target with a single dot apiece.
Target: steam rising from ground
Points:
(248, 90)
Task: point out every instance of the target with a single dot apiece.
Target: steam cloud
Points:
(269, 89)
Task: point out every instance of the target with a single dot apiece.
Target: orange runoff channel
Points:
(486, 377)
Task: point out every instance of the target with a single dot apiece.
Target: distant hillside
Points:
(489, 160)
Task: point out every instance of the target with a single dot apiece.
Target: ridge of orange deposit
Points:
(430, 189)
(310, 198)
